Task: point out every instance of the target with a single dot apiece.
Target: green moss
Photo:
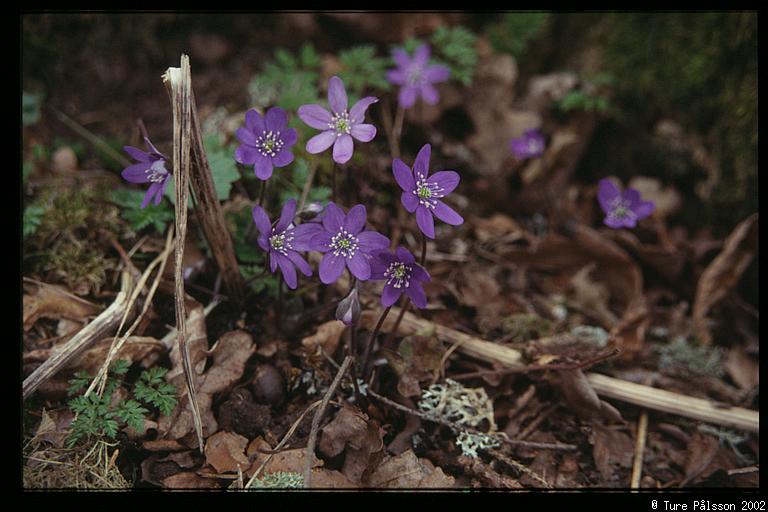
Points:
(522, 327)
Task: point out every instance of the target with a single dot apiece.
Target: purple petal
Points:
(357, 112)
(409, 200)
(519, 149)
(272, 261)
(263, 242)
(254, 121)
(263, 167)
(337, 95)
(246, 155)
(136, 153)
(151, 191)
(416, 293)
(261, 219)
(166, 182)
(342, 149)
(315, 116)
(283, 158)
(135, 173)
(389, 295)
(286, 216)
(407, 96)
(436, 73)
(429, 94)
(421, 164)
(288, 270)
(446, 180)
(614, 222)
(303, 233)
(246, 136)
(425, 221)
(354, 222)
(405, 255)
(421, 55)
(370, 241)
(300, 263)
(289, 138)
(359, 267)
(377, 270)
(419, 274)
(331, 268)
(321, 142)
(403, 175)
(333, 218)
(396, 76)
(644, 209)
(401, 57)
(320, 242)
(606, 192)
(363, 132)
(447, 214)
(276, 120)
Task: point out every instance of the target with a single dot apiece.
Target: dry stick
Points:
(501, 436)
(282, 442)
(80, 342)
(307, 187)
(316, 421)
(89, 136)
(371, 338)
(637, 466)
(638, 394)
(520, 467)
(178, 79)
(209, 212)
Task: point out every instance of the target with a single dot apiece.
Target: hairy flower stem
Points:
(423, 250)
(367, 354)
(262, 193)
(279, 305)
(352, 350)
(398, 128)
(333, 183)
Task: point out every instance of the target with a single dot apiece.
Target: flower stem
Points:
(423, 250)
(333, 183)
(262, 193)
(398, 128)
(399, 318)
(279, 305)
(352, 349)
(367, 354)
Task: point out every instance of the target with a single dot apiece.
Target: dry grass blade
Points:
(179, 82)
(88, 335)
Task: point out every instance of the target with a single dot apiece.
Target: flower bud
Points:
(348, 310)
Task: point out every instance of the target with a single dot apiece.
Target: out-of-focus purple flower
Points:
(402, 275)
(265, 142)
(622, 209)
(530, 145)
(348, 310)
(422, 192)
(149, 169)
(415, 77)
(283, 241)
(339, 125)
(345, 243)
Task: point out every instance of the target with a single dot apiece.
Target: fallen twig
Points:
(637, 466)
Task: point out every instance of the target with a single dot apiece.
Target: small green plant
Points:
(30, 108)
(683, 356)
(362, 69)
(98, 417)
(515, 31)
(279, 480)
(455, 47)
(289, 81)
(154, 215)
(33, 217)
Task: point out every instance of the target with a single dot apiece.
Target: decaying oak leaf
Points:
(189, 480)
(406, 471)
(51, 301)
(702, 449)
(292, 461)
(581, 397)
(416, 360)
(54, 426)
(134, 349)
(724, 272)
(225, 451)
(327, 337)
(611, 448)
(358, 436)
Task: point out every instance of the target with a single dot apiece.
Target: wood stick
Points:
(637, 466)
(100, 327)
(179, 82)
(637, 394)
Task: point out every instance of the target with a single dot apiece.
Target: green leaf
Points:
(132, 413)
(155, 215)
(79, 382)
(455, 47)
(513, 33)
(120, 367)
(33, 217)
(30, 108)
(362, 69)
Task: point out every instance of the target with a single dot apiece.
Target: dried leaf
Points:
(415, 361)
(51, 301)
(666, 199)
(225, 451)
(230, 354)
(361, 438)
(327, 336)
(580, 395)
(406, 471)
(701, 451)
(724, 272)
(743, 369)
(189, 480)
(611, 448)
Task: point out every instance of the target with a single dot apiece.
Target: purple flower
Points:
(415, 77)
(339, 125)
(348, 311)
(265, 142)
(149, 169)
(422, 192)
(530, 145)
(402, 274)
(283, 241)
(344, 243)
(622, 209)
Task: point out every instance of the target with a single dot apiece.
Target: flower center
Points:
(281, 242)
(344, 243)
(621, 209)
(534, 146)
(398, 274)
(427, 192)
(157, 171)
(341, 123)
(414, 75)
(269, 143)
